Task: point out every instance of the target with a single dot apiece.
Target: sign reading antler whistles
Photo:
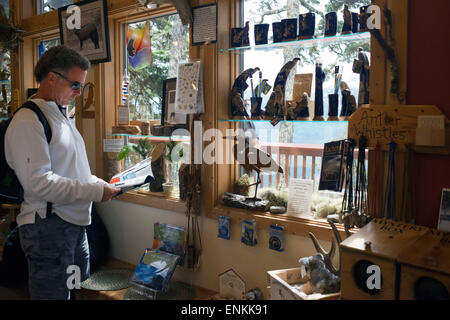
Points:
(384, 124)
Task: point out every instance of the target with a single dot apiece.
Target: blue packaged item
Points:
(249, 233)
(224, 227)
(276, 238)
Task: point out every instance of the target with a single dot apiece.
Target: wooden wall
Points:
(429, 83)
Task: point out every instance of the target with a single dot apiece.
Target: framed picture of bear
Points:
(83, 26)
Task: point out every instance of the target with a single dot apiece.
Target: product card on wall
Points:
(189, 93)
(249, 233)
(276, 238)
(224, 227)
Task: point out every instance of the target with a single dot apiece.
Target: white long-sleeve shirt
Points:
(58, 172)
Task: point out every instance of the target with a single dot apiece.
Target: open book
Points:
(139, 174)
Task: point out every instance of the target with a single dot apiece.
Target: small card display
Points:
(276, 238)
(248, 236)
(224, 227)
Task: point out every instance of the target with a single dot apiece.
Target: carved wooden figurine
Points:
(348, 26)
(318, 103)
(300, 111)
(237, 93)
(275, 106)
(362, 66)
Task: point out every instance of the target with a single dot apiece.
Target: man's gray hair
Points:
(61, 59)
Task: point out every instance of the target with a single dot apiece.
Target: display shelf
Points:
(161, 138)
(306, 43)
(305, 121)
(5, 82)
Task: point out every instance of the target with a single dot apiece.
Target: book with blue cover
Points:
(332, 166)
(155, 269)
(171, 239)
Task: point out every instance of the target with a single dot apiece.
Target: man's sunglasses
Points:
(75, 84)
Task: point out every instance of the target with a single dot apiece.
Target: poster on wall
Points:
(84, 28)
(444, 213)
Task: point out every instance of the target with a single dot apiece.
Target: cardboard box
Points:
(284, 285)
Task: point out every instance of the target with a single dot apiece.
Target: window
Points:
(298, 145)
(5, 83)
(169, 45)
(44, 6)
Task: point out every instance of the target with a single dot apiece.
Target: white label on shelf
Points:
(112, 145)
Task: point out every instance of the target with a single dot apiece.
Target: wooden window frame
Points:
(106, 77)
(219, 77)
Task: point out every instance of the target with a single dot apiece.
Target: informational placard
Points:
(123, 115)
(386, 123)
(204, 26)
(300, 196)
(112, 145)
(302, 84)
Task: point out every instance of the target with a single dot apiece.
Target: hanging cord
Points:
(360, 185)
(349, 149)
(389, 200)
(375, 201)
(406, 192)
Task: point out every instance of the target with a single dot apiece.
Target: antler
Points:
(328, 256)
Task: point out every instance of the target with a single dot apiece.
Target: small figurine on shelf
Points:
(333, 105)
(363, 17)
(355, 22)
(362, 66)
(290, 29)
(300, 111)
(278, 31)
(275, 106)
(348, 26)
(237, 93)
(239, 36)
(261, 33)
(307, 24)
(318, 103)
(348, 101)
(330, 24)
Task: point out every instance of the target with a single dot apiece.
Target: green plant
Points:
(143, 147)
(170, 146)
(124, 152)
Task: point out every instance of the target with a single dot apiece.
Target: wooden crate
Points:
(388, 240)
(284, 285)
(428, 257)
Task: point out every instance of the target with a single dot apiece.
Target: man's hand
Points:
(109, 192)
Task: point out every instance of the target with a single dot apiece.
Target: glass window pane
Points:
(49, 5)
(169, 45)
(298, 145)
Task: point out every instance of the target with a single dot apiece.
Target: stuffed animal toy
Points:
(321, 280)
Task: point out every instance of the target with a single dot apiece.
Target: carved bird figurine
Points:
(253, 159)
(183, 8)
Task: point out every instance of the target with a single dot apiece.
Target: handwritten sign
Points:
(385, 124)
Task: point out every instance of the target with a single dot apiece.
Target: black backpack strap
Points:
(47, 130)
(33, 106)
